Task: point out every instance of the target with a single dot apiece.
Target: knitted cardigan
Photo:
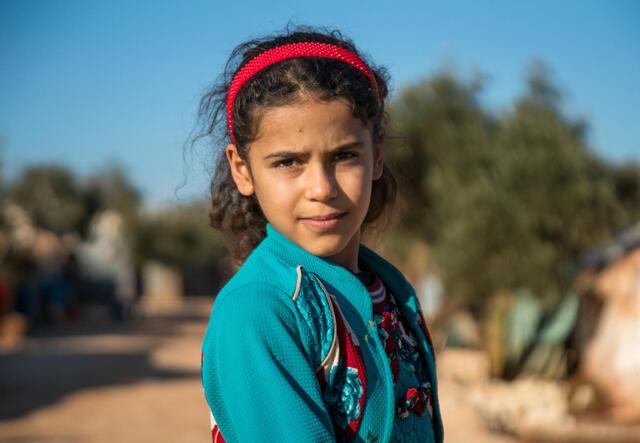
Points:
(291, 352)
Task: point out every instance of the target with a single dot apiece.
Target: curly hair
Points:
(281, 84)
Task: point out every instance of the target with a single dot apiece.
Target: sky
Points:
(90, 84)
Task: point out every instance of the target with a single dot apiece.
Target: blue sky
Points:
(92, 83)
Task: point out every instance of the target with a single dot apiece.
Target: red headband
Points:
(284, 52)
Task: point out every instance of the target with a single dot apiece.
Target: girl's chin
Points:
(325, 244)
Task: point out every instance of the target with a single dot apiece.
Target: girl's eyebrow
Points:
(287, 154)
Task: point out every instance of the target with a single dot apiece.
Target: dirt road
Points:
(98, 382)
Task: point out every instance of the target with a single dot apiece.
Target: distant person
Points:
(316, 338)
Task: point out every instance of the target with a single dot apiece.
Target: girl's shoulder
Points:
(260, 269)
(265, 296)
(259, 290)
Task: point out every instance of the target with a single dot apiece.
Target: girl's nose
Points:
(321, 184)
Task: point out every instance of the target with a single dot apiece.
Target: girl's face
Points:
(312, 159)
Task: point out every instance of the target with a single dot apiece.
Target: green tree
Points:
(2, 176)
(177, 235)
(58, 201)
(439, 140)
(626, 183)
(110, 188)
(51, 195)
(504, 201)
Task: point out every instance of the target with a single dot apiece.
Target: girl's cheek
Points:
(354, 179)
(282, 194)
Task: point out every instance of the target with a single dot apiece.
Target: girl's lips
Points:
(323, 223)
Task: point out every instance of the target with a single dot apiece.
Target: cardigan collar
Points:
(338, 276)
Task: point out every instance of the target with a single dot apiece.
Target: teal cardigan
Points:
(291, 352)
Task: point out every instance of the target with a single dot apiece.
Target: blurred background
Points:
(514, 131)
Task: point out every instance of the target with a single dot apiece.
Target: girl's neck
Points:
(348, 257)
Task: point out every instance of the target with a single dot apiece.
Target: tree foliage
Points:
(178, 236)
(109, 188)
(59, 201)
(504, 201)
(52, 196)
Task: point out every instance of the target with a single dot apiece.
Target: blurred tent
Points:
(592, 334)
(611, 285)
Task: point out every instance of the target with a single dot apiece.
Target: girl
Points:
(316, 338)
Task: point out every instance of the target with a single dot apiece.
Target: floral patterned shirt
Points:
(412, 388)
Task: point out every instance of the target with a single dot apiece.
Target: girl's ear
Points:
(378, 159)
(239, 171)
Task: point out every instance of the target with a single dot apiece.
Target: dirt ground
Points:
(97, 382)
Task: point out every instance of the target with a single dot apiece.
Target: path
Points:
(99, 382)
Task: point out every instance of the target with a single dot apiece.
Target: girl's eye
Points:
(346, 155)
(283, 163)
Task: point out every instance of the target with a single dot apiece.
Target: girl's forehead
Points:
(309, 123)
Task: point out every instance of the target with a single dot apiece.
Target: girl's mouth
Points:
(324, 222)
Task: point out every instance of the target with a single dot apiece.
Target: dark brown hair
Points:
(325, 79)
